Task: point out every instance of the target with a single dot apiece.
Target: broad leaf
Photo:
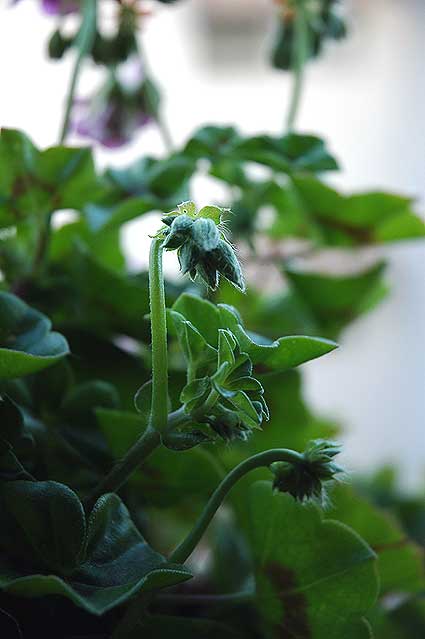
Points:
(118, 564)
(27, 344)
(400, 561)
(282, 354)
(315, 578)
(45, 524)
(334, 300)
(37, 182)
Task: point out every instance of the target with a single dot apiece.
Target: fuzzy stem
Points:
(300, 54)
(185, 549)
(85, 40)
(159, 411)
(144, 446)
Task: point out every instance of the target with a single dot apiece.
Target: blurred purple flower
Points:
(112, 115)
(58, 7)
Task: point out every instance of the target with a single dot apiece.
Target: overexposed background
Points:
(366, 96)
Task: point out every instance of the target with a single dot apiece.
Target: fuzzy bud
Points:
(304, 479)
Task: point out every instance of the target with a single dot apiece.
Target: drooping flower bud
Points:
(305, 479)
(203, 250)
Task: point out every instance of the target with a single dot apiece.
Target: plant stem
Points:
(144, 446)
(42, 249)
(300, 54)
(121, 472)
(185, 549)
(159, 411)
(84, 43)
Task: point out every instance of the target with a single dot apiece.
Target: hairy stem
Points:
(85, 40)
(144, 446)
(159, 411)
(185, 549)
(300, 55)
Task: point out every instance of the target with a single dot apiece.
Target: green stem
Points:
(84, 43)
(144, 446)
(188, 545)
(300, 54)
(159, 411)
(42, 249)
(126, 466)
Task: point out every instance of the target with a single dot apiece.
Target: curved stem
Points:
(185, 549)
(84, 43)
(300, 54)
(159, 411)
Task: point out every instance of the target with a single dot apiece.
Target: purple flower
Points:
(112, 115)
(58, 7)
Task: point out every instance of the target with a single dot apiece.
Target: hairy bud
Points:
(203, 250)
(305, 479)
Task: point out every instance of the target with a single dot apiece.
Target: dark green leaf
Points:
(46, 525)
(27, 344)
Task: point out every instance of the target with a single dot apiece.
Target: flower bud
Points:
(205, 235)
(180, 232)
(304, 479)
(228, 264)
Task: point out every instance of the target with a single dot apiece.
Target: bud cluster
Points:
(305, 479)
(203, 250)
(230, 400)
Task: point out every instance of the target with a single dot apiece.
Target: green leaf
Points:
(314, 577)
(119, 563)
(362, 218)
(204, 315)
(292, 152)
(244, 408)
(164, 179)
(282, 354)
(37, 182)
(400, 560)
(46, 524)
(211, 212)
(195, 393)
(198, 353)
(211, 142)
(27, 344)
(335, 300)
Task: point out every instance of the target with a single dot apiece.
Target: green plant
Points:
(152, 404)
